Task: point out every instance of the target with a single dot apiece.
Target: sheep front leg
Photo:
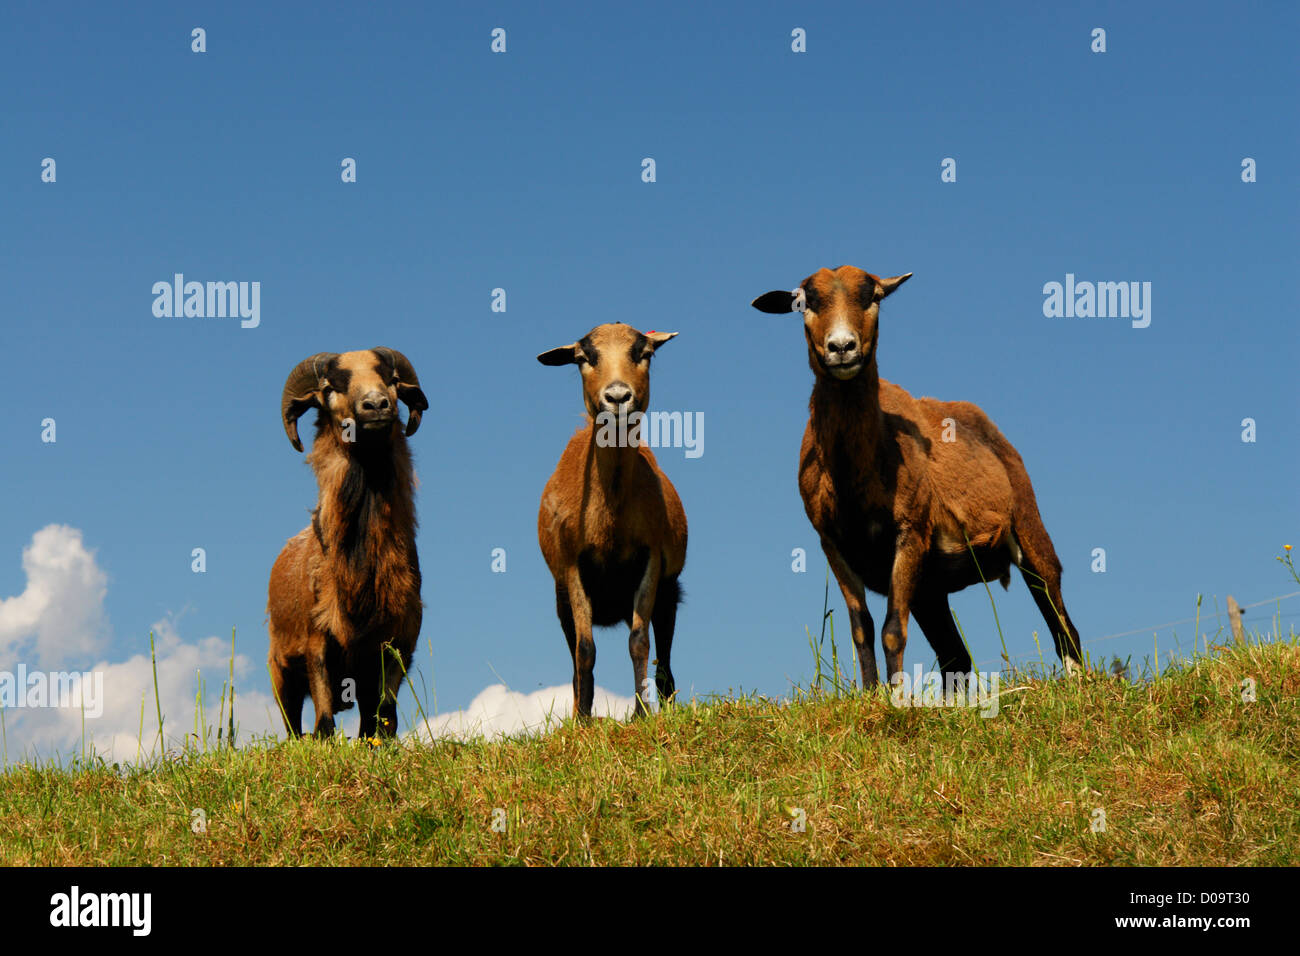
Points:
(860, 622)
(908, 552)
(322, 698)
(638, 639)
(582, 645)
(394, 668)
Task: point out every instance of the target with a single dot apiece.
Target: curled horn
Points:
(301, 392)
(408, 387)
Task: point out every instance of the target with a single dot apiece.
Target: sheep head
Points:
(840, 310)
(615, 363)
(356, 394)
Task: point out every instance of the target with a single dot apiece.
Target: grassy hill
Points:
(1186, 771)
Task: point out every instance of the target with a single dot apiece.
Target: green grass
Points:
(1186, 771)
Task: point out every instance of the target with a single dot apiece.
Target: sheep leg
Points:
(860, 622)
(582, 645)
(290, 690)
(935, 618)
(638, 639)
(1041, 569)
(388, 718)
(565, 613)
(664, 622)
(368, 704)
(370, 700)
(1046, 589)
(908, 553)
(394, 674)
(322, 699)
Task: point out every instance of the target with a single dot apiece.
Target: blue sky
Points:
(522, 171)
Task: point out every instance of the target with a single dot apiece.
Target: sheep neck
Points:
(847, 422)
(612, 465)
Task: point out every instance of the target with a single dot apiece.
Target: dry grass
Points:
(1186, 771)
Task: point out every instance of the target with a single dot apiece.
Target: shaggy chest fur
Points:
(368, 571)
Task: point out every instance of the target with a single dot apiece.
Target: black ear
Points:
(775, 302)
(564, 355)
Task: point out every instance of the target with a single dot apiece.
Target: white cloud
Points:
(59, 620)
(59, 617)
(499, 712)
(127, 684)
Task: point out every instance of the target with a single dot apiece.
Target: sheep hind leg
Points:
(290, 690)
(934, 616)
(1046, 589)
(664, 621)
(564, 611)
(1041, 570)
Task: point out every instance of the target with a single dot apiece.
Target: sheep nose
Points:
(841, 342)
(375, 401)
(618, 394)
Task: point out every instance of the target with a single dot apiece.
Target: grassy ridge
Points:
(1185, 770)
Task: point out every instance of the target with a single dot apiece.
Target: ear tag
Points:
(800, 303)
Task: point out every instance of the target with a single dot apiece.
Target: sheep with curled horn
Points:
(345, 591)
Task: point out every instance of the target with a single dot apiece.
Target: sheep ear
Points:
(775, 302)
(892, 283)
(659, 338)
(564, 355)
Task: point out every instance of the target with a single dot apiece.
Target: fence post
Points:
(1234, 618)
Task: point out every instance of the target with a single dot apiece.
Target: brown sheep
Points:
(897, 486)
(611, 526)
(348, 585)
